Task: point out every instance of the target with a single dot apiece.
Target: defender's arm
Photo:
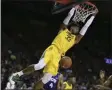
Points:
(60, 82)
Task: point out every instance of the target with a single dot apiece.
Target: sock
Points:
(20, 73)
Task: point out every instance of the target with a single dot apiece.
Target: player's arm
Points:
(67, 19)
(84, 29)
(60, 82)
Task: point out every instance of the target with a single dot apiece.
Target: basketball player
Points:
(68, 84)
(54, 83)
(66, 38)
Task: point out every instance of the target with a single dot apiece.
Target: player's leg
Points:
(43, 62)
(45, 79)
(34, 67)
(15, 77)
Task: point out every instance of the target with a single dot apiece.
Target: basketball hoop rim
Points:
(89, 3)
(92, 5)
(83, 10)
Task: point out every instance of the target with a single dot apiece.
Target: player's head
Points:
(74, 28)
(102, 74)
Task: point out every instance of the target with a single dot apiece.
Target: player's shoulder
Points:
(66, 29)
(63, 30)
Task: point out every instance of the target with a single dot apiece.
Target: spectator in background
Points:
(83, 86)
(102, 78)
(68, 84)
(108, 82)
(74, 83)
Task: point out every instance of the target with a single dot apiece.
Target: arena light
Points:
(108, 60)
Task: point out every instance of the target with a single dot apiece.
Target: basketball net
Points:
(82, 11)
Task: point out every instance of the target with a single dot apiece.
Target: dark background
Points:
(30, 26)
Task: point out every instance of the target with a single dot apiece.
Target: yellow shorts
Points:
(52, 58)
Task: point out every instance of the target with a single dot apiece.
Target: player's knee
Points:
(46, 78)
(40, 64)
(37, 67)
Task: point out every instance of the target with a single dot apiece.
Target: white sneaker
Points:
(12, 80)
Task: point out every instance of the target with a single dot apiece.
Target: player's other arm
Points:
(67, 19)
(84, 29)
(60, 82)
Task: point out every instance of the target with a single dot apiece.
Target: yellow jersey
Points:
(67, 87)
(52, 55)
(64, 40)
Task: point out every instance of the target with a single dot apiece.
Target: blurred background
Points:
(28, 28)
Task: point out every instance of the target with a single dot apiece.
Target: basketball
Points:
(66, 62)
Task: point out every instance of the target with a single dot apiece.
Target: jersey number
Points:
(69, 37)
(51, 85)
(52, 81)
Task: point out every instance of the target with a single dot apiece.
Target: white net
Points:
(83, 11)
